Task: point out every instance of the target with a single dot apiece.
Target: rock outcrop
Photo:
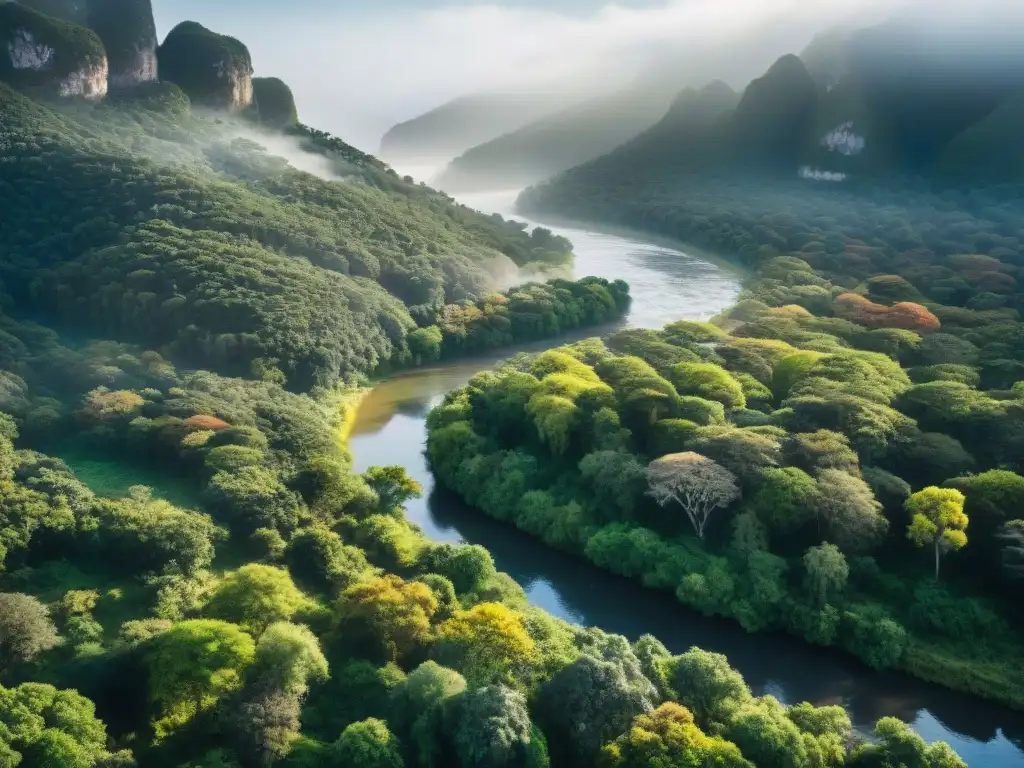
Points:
(50, 56)
(128, 32)
(213, 70)
(274, 102)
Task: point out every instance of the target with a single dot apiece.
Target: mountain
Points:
(50, 56)
(128, 32)
(275, 102)
(126, 27)
(214, 70)
(559, 141)
(179, 230)
(891, 101)
(450, 129)
(991, 148)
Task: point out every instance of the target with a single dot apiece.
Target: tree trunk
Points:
(936, 559)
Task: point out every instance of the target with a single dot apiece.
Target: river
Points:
(666, 285)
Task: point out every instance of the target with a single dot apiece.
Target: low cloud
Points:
(357, 72)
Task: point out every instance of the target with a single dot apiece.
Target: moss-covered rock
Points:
(214, 70)
(275, 102)
(51, 56)
(128, 32)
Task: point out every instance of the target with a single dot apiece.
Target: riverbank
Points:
(392, 430)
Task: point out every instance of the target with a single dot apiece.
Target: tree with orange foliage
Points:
(202, 422)
(905, 315)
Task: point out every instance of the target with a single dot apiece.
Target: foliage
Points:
(695, 482)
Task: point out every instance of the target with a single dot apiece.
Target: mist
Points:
(356, 71)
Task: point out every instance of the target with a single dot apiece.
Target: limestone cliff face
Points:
(214, 70)
(50, 56)
(128, 32)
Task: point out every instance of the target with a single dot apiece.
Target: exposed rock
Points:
(214, 70)
(275, 102)
(50, 56)
(128, 32)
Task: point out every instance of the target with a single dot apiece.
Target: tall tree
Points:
(694, 482)
(937, 518)
(25, 629)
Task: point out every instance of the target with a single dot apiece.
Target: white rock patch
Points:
(817, 174)
(26, 53)
(88, 82)
(843, 140)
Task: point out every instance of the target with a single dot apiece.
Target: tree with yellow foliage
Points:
(937, 518)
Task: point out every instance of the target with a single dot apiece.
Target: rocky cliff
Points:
(275, 102)
(214, 70)
(50, 56)
(128, 32)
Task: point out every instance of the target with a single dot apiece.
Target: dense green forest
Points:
(839, 455)
(182, 299)
(195, 238)
(296, 618)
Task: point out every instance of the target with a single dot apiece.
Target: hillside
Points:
(556, 142)
(245, 238)
(449, 130)
(875, 105)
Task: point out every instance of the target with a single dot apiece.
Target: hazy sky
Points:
(359, 66)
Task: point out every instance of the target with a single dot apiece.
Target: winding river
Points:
(666, 285)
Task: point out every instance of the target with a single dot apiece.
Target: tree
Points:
(744, 452)
(25, 629)
(393, 487)
(617, 481)
(489, 643)
(848, 512)
(708, 381)
(368, 744)
(668, 737)
(490, 728)
(416, 709)
(785, 500)
(193, 664)
(587, 704)
(898, 745)
(255, 596)
(51, 728)
(253, 498)
(266, 719)
(385, 616)
(706, 685)
(824, 449)
(1011, 545)
(937, 518)
(826, 572)
(319, 559)
(694, 482)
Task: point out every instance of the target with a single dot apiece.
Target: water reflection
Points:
(666, 285)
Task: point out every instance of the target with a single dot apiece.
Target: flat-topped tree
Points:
(49, 56)
(275, 102)
(214, 70)
(128, 32)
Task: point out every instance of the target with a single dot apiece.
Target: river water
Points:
(666, 285)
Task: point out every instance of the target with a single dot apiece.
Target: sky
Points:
(357, 67)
